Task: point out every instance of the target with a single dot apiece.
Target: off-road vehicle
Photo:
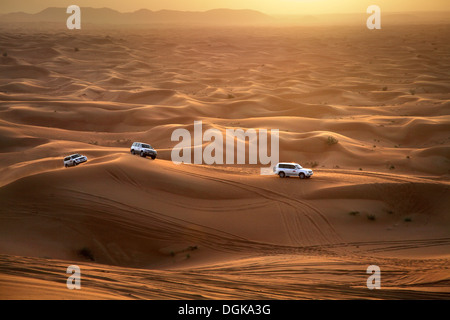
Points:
(143, 149)
(289, 169)
(74, 160)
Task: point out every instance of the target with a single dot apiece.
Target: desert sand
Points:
(150, 229)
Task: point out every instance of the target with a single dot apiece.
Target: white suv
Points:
(143, 149)
(74, 160)
(287, 169)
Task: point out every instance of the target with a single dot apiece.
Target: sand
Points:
(150, 229)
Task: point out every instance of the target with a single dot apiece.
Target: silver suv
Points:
(143, 149)
(288, 169)
(74, 160)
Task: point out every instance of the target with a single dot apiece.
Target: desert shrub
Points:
(371, 217)
(313, 164)
(407, 219)
(332, 140)
(86, 253)
(385, 88)
(123, 141)
(353, 213)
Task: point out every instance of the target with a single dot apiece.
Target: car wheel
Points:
(76, 163)
(132, 152)
(153, 157)
(282, 174)
(142, 154)
(302, 175)
(66, 165)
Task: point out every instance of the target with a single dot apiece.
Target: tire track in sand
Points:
(306, 225)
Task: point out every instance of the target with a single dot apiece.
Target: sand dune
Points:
(142, 228)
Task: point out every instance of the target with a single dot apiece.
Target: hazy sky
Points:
(266, 6)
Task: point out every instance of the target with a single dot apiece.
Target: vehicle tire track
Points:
(311, 215)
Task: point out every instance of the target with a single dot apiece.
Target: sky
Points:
(271, 7)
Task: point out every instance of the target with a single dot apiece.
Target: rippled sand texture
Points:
(155, 230)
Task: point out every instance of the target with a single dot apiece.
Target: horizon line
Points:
(254, 10)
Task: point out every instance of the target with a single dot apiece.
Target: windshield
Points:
(76, 155)
(298, 166)
(146, 146)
